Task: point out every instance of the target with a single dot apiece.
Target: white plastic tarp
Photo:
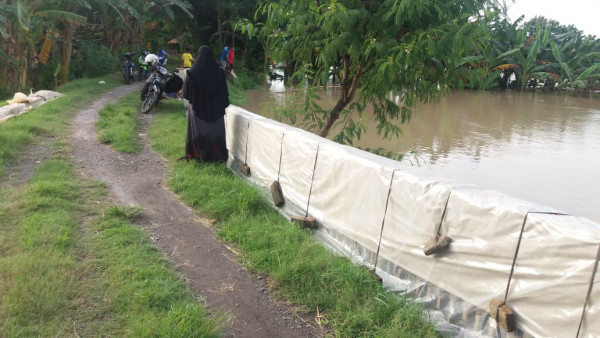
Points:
(591, 321)
(552, 274)
(264, 150)
(414, 213)
(298, 158)
(349, 193)
(484, 226)
(237, 121)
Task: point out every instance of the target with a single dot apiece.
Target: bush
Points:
(47, 75)
(91, 59)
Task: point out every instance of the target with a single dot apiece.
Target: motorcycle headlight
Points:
(163, 71)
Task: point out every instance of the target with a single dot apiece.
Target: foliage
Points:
(374, 50)
(92, 59)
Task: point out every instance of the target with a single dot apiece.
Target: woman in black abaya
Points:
(205, 96)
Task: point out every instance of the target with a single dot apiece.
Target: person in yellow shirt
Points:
(187, 58)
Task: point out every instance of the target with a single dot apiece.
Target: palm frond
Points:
(63, 15)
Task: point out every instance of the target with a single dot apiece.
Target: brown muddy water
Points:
(539, 147)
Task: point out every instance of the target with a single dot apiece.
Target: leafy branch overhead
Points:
(388, 54)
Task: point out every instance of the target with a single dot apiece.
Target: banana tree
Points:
(573, 72)
(31, 19)
(527, 56)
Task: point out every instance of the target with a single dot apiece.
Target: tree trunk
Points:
(66, 54)
(245, 53)
(3, 75)
(232, 32)
(334, 115)
(349, 86)
(23, 66)
(219, 24)
(9, 71)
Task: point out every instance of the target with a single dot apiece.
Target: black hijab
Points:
(205, 86)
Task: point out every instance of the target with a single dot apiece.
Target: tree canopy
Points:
(375, 50)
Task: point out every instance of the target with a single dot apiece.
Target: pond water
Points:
(539, 147)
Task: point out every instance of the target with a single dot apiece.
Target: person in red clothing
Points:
(230, 57)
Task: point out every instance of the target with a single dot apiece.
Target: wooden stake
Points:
(245, 169)
(305, 222)
(438, 243)
(277, 194)
(502, 314)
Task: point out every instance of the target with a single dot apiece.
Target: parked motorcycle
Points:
(144, 70)
(162, 57)
(160, 81)
(128, 67)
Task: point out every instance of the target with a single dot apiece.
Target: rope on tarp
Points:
(387, 201)
(312, 179)
(589, 292)
(280, 155)
(512, 268)
(247, 137)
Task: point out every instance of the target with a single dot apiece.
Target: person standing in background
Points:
(187, 58)
(223, 57)
(205, 97)
(230, 57)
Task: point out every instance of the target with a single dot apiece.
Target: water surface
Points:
(539, 147)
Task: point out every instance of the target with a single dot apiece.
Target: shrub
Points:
(91, 59)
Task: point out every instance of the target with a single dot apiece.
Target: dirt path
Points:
(208, 266)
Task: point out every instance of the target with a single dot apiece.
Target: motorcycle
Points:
(162, 57)
(160, 81)
(144, 70)
(128, 67)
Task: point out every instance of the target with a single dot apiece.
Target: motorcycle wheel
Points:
(149, 102)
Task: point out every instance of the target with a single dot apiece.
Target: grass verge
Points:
(104, 278)
(118, 123)
(349, 299)
(51, 118)
(70, 263)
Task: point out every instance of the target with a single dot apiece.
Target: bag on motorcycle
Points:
(174, 84)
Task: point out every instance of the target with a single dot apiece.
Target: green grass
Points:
(49, 119)
(70, 263)
(350, 299)
(3, 103)
(118, 123)
(352, 302)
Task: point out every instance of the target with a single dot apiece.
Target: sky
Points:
(583, 14)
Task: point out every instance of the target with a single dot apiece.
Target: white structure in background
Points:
(381, 213)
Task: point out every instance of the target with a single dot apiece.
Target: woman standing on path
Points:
(205, 96)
